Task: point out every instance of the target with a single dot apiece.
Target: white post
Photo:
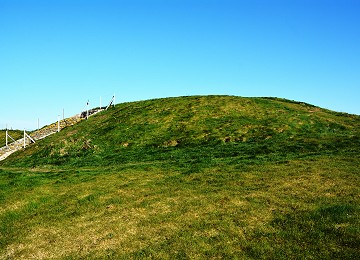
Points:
(58, 123)
(28, 136)
(24, 139)
(63, 114)
(87, 110)
(6, 137)
(38, 124)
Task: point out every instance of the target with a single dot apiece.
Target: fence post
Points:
(87, 110)
(24, 140)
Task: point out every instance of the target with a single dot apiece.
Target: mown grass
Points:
(305, 208)
(188, 178)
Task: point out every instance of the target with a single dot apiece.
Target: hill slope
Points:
(237, 127)
(213, 177)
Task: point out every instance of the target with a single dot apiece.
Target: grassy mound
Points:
(197, 128)
(189, 177)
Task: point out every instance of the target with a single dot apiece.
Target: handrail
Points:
(111, 102)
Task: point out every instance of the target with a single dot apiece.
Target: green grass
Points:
(303, 208)
(188, 178)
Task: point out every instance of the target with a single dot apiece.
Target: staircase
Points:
(39, 134)
(50, 129)
(13, 147)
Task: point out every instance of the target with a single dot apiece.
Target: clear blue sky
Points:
(57, 54)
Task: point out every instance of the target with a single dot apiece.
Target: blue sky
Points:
(56, 55)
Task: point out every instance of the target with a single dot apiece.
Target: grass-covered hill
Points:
(200, 177)
(197, 128)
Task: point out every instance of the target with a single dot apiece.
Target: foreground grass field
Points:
(231, 178)
(307, 208)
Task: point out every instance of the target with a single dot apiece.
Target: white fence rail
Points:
(16, 145)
